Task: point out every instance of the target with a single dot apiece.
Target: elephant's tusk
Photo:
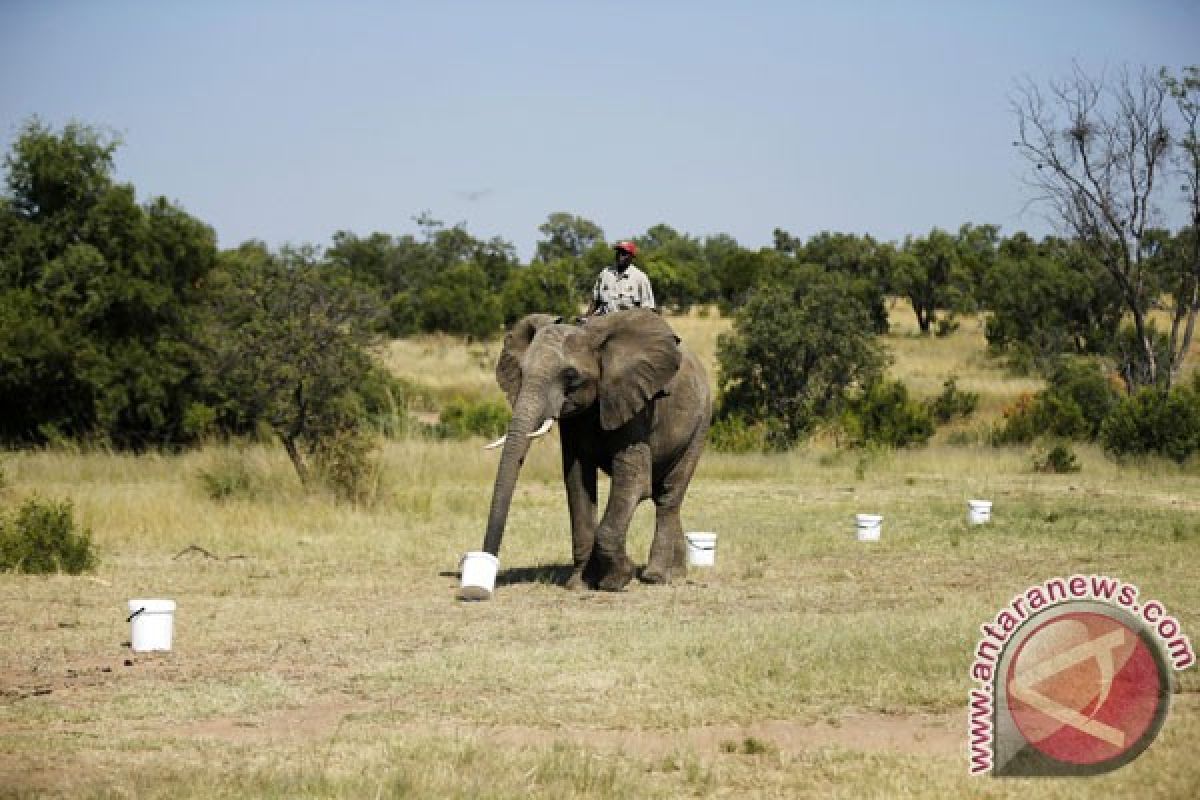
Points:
(542, 431)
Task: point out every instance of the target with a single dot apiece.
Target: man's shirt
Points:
(618, 291)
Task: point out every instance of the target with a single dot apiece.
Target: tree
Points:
(98, 294)
(567, 236)
(1185, 91)
(408, 273)
(794, 351)
(577, 246)
(676, 267)
(1049, 298)
(929, 271)
(1101, 151)
(460, 300)
(286, 344)
(978, 249)
(867, 262)
(55, 179)
(539, 287)
(734, 271)
(372, 261)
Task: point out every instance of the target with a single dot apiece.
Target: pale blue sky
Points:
(287, 121)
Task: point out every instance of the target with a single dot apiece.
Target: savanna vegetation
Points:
(319, 651)
(287, 443)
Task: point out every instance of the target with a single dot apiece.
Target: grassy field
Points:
(319, 651)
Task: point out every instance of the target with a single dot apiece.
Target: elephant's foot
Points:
(576, 583)
(595, 569)
(656, 574)
(618, 575)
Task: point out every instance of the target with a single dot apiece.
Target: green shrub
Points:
(229, 477)
(1073, 406)
(41, 538)
(199, 420)
(733, 434)
(1059, 459)
(347, 462)
(884, 414)
(462, 418)
(796, 349)
(384, 400)
(953, 403)
(1157, 423)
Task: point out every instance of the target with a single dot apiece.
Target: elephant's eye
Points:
(572, 378)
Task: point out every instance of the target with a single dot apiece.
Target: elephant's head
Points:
(613, 365)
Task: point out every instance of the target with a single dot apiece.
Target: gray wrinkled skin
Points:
(630, 400)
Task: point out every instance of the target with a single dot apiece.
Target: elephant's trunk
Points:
(527, 415)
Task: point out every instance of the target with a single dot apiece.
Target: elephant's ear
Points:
(639, 354)
(516, 341)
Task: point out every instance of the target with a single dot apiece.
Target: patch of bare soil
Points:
(905, 734)
(915, 734)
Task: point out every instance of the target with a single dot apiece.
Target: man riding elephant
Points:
(621, 286)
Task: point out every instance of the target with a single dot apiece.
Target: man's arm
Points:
(647, 292)
(595, 303)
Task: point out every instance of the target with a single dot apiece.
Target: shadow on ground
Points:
(554, 574)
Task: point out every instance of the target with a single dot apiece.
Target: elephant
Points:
(631, 400)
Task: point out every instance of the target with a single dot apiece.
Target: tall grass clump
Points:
(734, 434)
(1058, 460)
(347, 462)
(229, 478)
(42, 538)
(462, 418)
(953, 402)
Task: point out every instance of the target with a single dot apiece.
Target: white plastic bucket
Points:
(153, 623)
(478, 575)
(701, 549)
(869, 526)
(979, 511)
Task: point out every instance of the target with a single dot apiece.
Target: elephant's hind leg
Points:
(668, 551)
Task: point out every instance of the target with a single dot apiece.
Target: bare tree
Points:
(1185, 91)
(1103, 150)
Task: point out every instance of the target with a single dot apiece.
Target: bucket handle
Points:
(134, 614)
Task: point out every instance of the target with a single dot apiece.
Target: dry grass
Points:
(446, 365)
(322, 654)
(925, 362)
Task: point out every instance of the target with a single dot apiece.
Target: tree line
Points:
(123, 321)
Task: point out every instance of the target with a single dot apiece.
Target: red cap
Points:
(627, 246)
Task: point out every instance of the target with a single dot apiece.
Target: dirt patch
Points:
(311, 722)
(905, 734)
(916, 734)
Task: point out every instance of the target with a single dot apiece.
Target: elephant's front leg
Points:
(579, 476)
(610, 562)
